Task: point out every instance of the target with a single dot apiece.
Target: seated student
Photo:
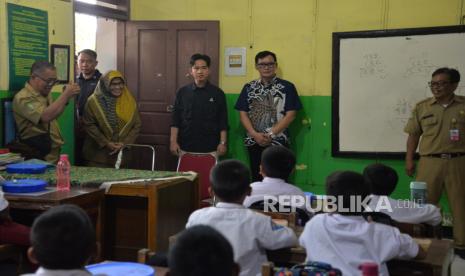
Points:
(249, 232)
(201, 250)
(345, 239)
(10, 231)
(62, 241)
(382, 181)
(276, 166)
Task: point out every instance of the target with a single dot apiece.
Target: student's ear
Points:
(261, 171)
(211, 192)
(31, 255)
(235, 271)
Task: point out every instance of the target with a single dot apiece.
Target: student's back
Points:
(345, 239)
(249, 233)
(383, 181)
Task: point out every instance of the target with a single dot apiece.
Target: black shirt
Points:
(87, 88)
(200, 114)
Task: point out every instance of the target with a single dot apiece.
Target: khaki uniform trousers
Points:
(441, 173)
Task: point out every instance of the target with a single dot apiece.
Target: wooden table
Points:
(146, 214)
(25, 208)
(438, 259)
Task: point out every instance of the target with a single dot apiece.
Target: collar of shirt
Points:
(59, 272)
(273, 180)
(96, 76)
(228, 205)
(454, 99)
(195, 87)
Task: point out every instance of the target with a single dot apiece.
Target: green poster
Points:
(27, 42)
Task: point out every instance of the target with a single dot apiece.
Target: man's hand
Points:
(409, 167)
(221, 149)
(114, 147)
(263, 139)
(70, 90)
(174, 148)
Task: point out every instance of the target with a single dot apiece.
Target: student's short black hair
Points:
(278, 162)
(63, 237)
(230, 180)
(264, 54)
(40, 66)
(201, 250)
(454, 75)
(89, 52)
(381, 179)
(198, 56)
(346, 184)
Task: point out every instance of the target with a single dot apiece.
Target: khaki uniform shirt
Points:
(433, 123)
(28, 106)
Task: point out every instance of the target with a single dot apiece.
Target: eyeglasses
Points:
(438, 83)
(49, 82)
(266, 65)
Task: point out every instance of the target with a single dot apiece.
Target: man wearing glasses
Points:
(35, 113)
(267, 107)
(440, 122)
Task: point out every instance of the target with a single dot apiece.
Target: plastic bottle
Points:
(63, 173)
(369, 269)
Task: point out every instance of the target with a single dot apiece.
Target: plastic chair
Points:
(128, 146)
(200, 163)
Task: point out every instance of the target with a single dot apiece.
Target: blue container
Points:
(26, 168)
(24, 185)
(121, 269)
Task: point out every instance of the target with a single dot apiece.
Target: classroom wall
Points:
(61, 31)
(300, 32)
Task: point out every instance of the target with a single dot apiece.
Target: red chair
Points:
(200, 163)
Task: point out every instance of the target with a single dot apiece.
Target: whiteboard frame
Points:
(337, 37)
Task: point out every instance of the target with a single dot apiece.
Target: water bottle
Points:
(63, 173)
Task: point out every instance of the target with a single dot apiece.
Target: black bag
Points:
(42, 143)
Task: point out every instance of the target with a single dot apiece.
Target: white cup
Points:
(418, 191)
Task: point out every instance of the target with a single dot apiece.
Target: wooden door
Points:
(155, 62)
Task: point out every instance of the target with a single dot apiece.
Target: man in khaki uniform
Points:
(35, 113)
(440, 122)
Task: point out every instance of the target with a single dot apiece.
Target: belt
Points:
(445, 155)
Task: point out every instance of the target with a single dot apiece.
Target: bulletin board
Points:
(378, 77)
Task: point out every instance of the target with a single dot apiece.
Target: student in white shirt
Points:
(382, 181)
(276, 166)
(201, 250)
(62, 242)
(249, 232)
(346, 240)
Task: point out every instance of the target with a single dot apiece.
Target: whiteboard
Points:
(378, 77)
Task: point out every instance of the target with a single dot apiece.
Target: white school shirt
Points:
(273, 187)
(60, 272)
(346, 242)
(249, 233)
(407, 211)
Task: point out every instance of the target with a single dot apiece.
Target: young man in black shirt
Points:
(200, 116)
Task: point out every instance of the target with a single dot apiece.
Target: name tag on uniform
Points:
(454, 134)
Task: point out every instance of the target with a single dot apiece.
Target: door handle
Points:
(169, 108)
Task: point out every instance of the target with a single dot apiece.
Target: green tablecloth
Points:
(93, 177)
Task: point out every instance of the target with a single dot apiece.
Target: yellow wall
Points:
(61, 29)
(299, 31)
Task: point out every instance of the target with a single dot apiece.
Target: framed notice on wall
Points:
(60, 58)
(27, 42)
